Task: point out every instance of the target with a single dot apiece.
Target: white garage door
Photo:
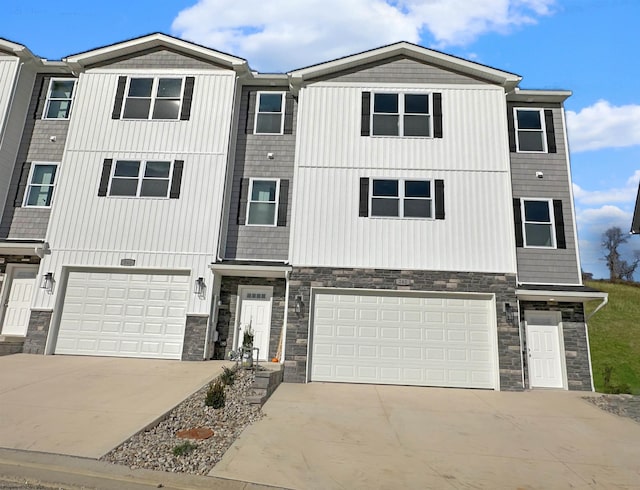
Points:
(124, 315)
(409, 340)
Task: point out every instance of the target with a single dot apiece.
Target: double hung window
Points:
(153, 98)
(401, 198)
(537, 217)
(401, 115)
(269, 113)
(133, 178)
(41, 185)
(530, 130)
(59, 98)
(263, 202)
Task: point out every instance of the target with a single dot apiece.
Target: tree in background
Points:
(619, 268)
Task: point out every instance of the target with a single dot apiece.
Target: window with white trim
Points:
(153, 98)
(59, 98)
(262, 207)
(396, 114)
(41, 184)
(133, 178)
(530, 130)
(401, 198)
(269, 113)
(537, 220)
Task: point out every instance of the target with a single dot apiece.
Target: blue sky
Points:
(587, 46)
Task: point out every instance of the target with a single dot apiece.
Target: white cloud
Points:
(287, 34)
(604, 126)
(626, 194)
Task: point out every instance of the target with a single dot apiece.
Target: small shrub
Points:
(215, 395)
(184, 448)
(228, 376)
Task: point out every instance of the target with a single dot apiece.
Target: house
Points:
(397, 216)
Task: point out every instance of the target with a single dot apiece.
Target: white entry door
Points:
(543, 349)
(22, 281)
(255, 312)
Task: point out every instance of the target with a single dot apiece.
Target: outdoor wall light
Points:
(199, 286)
(298, 305)
(47, 281)
(511, 313)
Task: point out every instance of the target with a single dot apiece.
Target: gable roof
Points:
(635, 223)
(155, 40)
(19, 50)
(448, 62)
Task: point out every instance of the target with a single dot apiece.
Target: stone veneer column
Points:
(305, 278)
(37, 332)
(195, 332)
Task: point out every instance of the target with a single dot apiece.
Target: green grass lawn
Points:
(614, 334)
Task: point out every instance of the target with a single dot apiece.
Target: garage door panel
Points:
(130, 315)
(403, 340)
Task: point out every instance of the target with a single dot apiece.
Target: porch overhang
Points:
(558, 293)
(16, 247)
(251, 269)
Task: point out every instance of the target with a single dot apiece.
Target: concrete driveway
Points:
(86, 406)
(365, 436)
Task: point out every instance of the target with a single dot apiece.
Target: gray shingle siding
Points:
(546, 265)
(399, 70)
(259, 242)
(158, 58)
(35, 146)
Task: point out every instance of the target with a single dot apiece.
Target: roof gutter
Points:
(605, 300)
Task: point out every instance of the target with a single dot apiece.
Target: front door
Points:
(543, 349)
(22, 281)
(255, 312)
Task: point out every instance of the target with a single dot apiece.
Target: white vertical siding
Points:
(86, 230)
(471, 158)
(207, 130)
(12, 115)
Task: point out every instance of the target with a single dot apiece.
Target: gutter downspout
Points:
(605, 300)
(286, 316)
(213, 310)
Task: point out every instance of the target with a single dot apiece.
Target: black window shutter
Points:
(512, 129)
(242, 201)
(439, 193)
(288, 114)
(104, 178)
(176, 179)
(561, 241)
(117, 106)
(22, 184)
(366, 115)
(364, 197)
(437, 115)
(42, 97)
(251, 112)
(185, 113)
(517, 220)
(283, 201)
(551, 133)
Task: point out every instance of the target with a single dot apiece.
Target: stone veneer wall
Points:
(228, 307)
(37, 332)
(302, 279)
(195, 332)
(576, 347)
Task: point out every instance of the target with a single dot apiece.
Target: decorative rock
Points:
(195, 433)
(153, 449)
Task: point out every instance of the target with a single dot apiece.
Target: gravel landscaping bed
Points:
(622, 405)
(154, 449)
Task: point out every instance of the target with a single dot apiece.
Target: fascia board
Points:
(635, 223)
(554, 96)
